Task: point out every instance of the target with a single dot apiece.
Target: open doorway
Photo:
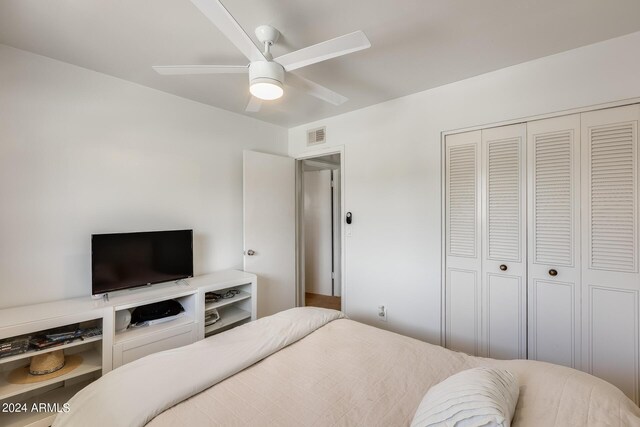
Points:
(320, 251)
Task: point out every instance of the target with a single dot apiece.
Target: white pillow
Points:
(476, 397)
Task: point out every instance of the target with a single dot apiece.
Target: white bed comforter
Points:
(348, 374)
(135, 393)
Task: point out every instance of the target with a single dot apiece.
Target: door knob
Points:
(553, 273)
(251, 252)
(503, 267)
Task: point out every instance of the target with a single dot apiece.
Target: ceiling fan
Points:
(267, 74)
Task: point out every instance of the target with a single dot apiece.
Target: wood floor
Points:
(324, 301)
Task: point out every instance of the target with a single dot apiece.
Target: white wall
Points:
(82, 153)
(392, 169)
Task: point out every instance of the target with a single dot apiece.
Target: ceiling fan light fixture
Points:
(265, 80)
(266, 89)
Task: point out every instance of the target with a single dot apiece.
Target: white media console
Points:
(115, 348)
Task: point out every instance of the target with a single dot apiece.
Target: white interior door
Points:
(317, 232)
(269, 229)
(554, 240)
(611, 259)
(337, 235)
(504, 258)
(463, 258)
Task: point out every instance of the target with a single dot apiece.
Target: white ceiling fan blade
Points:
(253, 106)
(221, 18)
(200, 69)
(314, 89)
(326, 50)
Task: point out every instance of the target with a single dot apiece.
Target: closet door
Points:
(462, 242)
(504, 281)
(610, 279)
(554, 240)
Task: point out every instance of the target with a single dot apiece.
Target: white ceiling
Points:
(416, 44)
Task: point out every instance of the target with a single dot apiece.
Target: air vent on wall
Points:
(317, 136)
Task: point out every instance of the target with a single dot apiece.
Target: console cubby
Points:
(135, 342)
(233, 310)
(188, 302)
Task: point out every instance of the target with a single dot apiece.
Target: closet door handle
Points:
(503, 267)
(553, 273)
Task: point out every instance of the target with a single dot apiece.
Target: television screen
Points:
(127, 260)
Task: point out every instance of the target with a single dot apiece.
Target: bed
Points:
(315, 367)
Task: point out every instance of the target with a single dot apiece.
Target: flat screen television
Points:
(127, 260)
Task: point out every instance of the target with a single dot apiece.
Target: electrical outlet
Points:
(382, 313)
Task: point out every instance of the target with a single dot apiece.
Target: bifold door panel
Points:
(504, 284)
(554, 240)
(463, 275)
(610, 279)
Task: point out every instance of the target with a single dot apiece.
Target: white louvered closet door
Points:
(462, 244)
(554, 240)
(610, 260)
(504, 264)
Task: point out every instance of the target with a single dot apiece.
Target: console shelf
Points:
(50, 349)
(226, 301)
(132, 298)
(133, 333)
(230, 316)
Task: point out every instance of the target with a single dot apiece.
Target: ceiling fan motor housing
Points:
(266, 71)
